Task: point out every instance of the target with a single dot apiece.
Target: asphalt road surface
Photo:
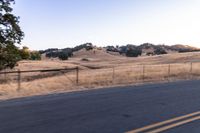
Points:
(165, 107)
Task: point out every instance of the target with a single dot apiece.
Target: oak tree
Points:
(10, 34)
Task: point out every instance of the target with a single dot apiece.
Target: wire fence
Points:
(139, 74)
(30, 76)
(54, 79)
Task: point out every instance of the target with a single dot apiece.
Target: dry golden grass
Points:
(44, 64)
(112, 71)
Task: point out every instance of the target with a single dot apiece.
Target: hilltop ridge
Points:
(88, 50)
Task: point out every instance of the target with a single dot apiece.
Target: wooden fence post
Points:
(143, 73)
(113, 75)
(19, 79)
(77, 75)
(169, 71)
(191, 67)
(5, 76)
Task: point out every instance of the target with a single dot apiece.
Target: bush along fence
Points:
(103, 76)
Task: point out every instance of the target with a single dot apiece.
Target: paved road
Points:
(109, 110)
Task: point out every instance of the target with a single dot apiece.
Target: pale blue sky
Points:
(66, 23)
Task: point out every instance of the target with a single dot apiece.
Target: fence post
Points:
(19, 80)
(143, 73)
(191, 67)
(113, 75)
(5, 76)
(77, 75)
(169, 71)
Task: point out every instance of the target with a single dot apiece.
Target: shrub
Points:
(133, 52)
(9, 56)
(63, 56)
(35, 56)
(159, 51)
(25, 53)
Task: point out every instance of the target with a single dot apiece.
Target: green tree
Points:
(9, 56)
(25, 53)
(133, 52)
(63, 56)
(10, 34)
(160, 51)
(35, 55)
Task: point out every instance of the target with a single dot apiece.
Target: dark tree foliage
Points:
(52, 54)
(35, 55)
(87, 46)
(133, 52)
(123, 49)
(48, 50)
(24, 53)
(146, 46)
(10, 33)
(9, 56)
(68, 51)
(188, 50)
(160, 51)
(65, 53)
(112, 49)
(184, 50)
(63, 56)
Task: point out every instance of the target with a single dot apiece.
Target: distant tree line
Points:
(134, 51)
(26, 54)
(128, 50)
(64, 54)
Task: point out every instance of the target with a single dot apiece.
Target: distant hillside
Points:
(129, 50)
(184, 48)
(151, 49)
(65, 53)
(94, 54)
(175, 48)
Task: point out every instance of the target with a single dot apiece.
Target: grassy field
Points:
(98, 69)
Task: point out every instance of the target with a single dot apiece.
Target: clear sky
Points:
(66, 23)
